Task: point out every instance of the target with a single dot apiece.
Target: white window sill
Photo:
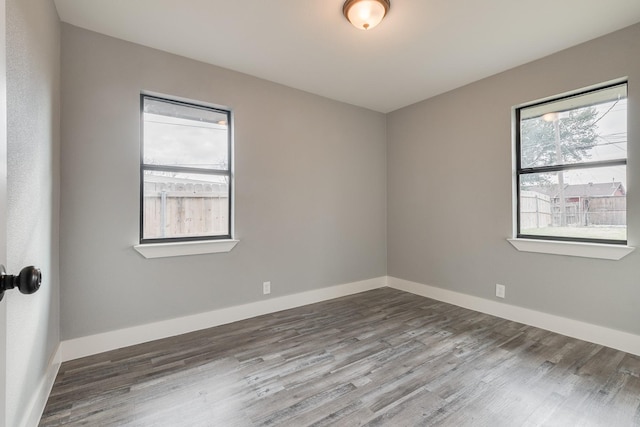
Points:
(163, 250)
(579, 249)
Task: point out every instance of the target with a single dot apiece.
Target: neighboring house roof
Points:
(600, 189)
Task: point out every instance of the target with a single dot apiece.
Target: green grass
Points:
(600, 232)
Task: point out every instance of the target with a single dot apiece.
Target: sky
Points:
(612, 144)
(182, 142)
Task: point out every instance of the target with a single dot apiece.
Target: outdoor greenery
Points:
(578, 134)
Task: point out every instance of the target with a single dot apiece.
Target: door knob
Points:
(27, 282)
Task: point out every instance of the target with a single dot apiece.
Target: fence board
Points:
(183, 210)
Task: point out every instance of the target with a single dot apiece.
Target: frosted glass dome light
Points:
(365, 14)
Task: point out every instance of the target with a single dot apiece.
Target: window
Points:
(185, 172)
(571, 164)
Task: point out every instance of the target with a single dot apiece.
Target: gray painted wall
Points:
(33, 67)
(310, 190)
(454, 151)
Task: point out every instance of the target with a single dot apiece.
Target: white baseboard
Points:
(613, 338)
(39, 399)
(94, 344)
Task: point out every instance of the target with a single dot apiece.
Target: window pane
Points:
(185, 205)
(586, 128)
(584, 203)
(183, 135)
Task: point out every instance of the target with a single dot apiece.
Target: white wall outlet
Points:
(266, 288)
(500, 291)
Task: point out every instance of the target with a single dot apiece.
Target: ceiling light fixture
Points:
(365, 14)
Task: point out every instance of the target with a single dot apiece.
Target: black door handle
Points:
(27, 282)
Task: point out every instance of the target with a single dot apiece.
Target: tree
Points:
(577, 133)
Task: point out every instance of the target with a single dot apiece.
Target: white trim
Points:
(579, 249)
(613, 338)
(163, 250)
(94, 344)
(39, 399)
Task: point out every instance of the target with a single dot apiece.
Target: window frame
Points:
(228, 172)
(519, 170)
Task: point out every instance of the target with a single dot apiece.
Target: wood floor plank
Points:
(379, 358)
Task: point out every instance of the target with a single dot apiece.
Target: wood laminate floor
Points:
(382, 357)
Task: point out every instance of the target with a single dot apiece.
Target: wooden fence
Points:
(183, 210)
(538, 210)
(535, 210)
(593, 211)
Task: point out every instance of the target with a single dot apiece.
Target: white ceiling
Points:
(421, 49)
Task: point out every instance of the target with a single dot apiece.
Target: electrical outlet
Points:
(500, 291)
(266, 288)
